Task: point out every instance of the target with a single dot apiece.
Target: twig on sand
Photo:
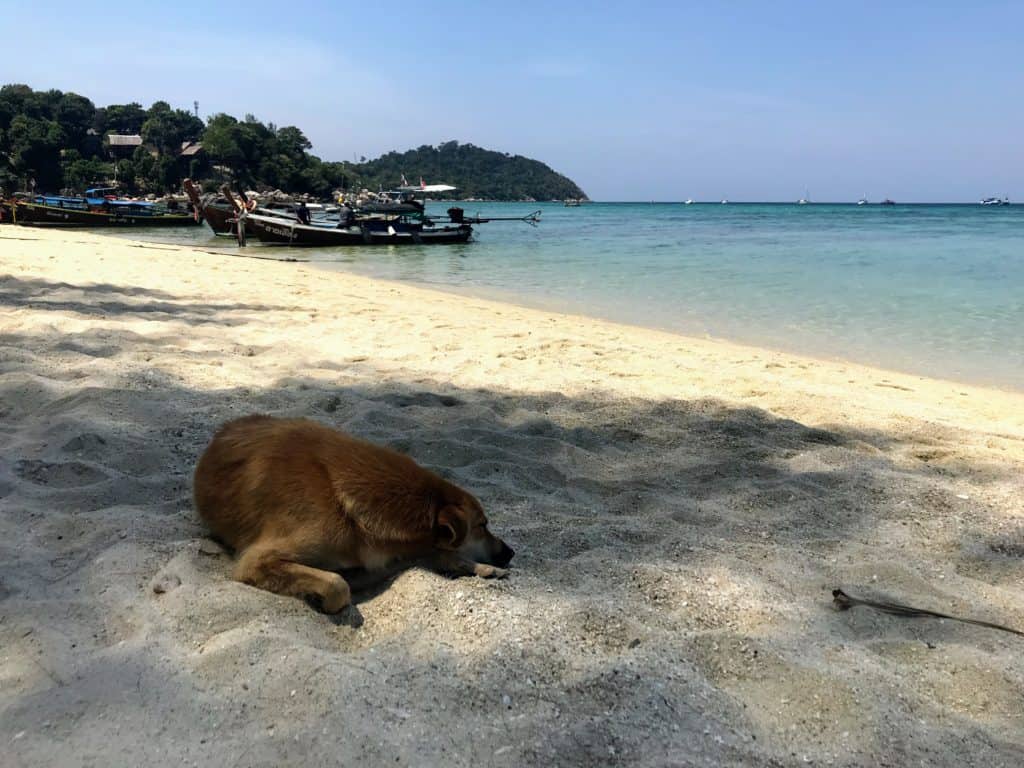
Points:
(844, 602)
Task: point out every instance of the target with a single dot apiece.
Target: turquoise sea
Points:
(930, 289)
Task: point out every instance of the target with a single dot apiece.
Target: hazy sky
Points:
(635, 101)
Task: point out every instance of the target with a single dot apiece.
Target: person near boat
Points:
(346, 216)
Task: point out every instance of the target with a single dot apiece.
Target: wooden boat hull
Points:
(220, 219)
(45, 215)
(285, 232)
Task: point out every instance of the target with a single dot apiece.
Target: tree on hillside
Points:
(74, 114)
(221, 141)
(475, 171)
(80, 173)
(125, 175)
(57, 139)
(120, 118)
(292, 142)
(34, 147)
(12, 99)
(166, 128)
(262, 155)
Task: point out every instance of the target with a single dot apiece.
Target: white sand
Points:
(681, 509)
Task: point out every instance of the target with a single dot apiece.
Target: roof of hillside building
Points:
(190, 148)
(124, 140)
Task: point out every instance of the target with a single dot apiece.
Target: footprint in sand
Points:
(1007, 548)
(72, 474)
(929, 455)
(248, 350)
(422, 399)
(88, 442)
(96, 350)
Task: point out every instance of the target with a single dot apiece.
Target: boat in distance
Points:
(995, 201)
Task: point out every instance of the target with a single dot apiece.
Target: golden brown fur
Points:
(298, 501)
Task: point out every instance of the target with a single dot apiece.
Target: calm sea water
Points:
(929, 289)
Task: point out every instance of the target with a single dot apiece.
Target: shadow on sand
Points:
(669, 604)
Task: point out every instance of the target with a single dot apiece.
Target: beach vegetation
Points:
(53, 141)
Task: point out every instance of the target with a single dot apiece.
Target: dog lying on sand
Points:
(298, 501)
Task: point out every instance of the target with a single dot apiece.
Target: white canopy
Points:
(427, 188)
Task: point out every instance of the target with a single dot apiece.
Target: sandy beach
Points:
(681, 509)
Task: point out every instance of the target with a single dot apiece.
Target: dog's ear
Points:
(451, 528)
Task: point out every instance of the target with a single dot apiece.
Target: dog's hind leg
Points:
(275, 569)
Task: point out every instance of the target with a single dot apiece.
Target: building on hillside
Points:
(121, 145)
(191, 158)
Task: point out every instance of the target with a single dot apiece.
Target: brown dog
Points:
(298, 501)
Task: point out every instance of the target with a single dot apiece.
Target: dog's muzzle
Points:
(504, 556)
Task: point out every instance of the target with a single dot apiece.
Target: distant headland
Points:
(53, 141)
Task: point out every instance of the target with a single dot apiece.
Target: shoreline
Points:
(892, 378)
(681, 509)
(500, 296)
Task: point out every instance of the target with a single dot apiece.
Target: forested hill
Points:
(53, 141)
(477, 172)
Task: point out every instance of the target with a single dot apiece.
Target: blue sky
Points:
(635, 101)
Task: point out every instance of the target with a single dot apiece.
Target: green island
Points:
(55, 141)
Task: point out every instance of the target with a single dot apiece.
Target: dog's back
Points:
(237, 479)
(264, 475)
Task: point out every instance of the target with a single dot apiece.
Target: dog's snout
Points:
(505, 555)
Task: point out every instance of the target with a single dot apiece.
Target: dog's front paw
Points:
(490, 571)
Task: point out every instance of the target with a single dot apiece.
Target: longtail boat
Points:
(95, 211)
(221, 213)
(284, 231)
(397, 220)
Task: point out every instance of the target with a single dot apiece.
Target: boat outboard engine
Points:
(457, 215)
